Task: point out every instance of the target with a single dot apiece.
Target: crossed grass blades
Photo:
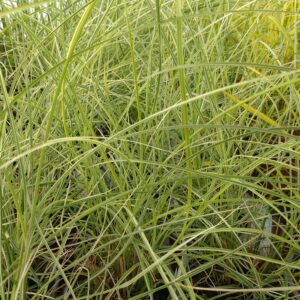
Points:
(149, 149)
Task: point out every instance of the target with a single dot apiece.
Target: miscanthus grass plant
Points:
(149, 149)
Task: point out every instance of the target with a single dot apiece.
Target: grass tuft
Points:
(149, 149)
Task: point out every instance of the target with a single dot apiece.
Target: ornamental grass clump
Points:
(149, 149)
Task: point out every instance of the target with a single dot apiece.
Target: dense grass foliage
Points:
(149, 149)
